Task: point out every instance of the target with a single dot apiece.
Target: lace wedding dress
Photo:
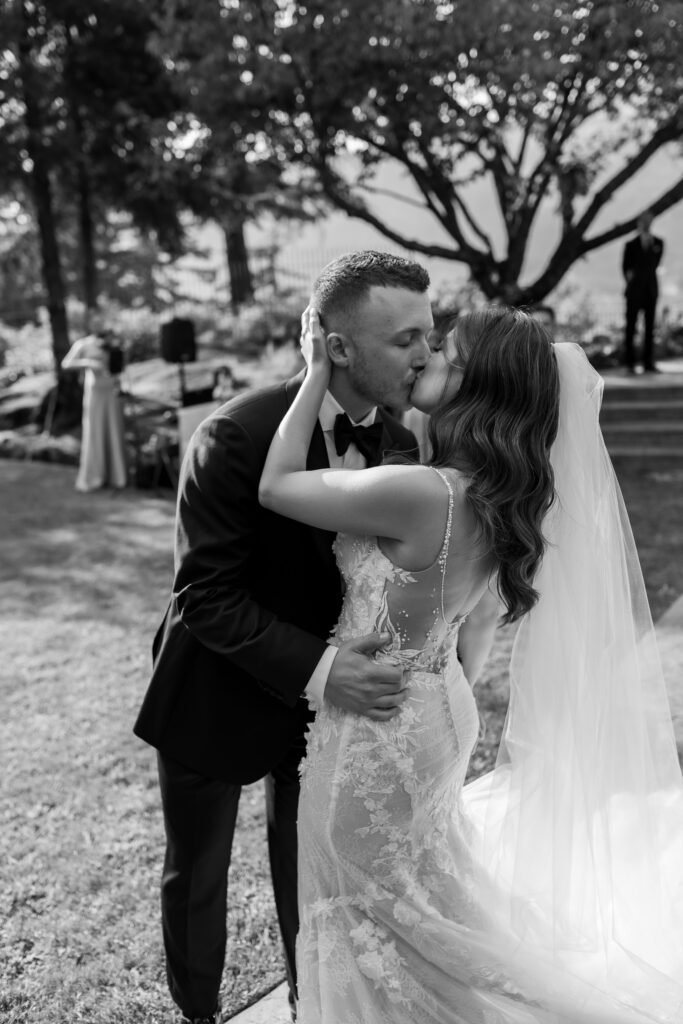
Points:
(402, 919)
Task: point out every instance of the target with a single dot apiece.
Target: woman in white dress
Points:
(103, 451)
(551, 889)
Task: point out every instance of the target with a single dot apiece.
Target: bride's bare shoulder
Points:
(445, 476)
(416, 477)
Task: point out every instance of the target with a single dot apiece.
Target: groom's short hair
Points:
(344, 282)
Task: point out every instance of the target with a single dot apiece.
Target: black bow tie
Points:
(368, 440)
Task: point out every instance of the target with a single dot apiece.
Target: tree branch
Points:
(670, 198)
(537, 187)
(437, 184)
(353, 209)
(496, 167)
(526, 135)
(571, 247)
(667, 133)
(472, 223)
(449, 196)
(428, 187)
(394, 195)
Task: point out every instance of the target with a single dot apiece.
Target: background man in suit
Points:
(243, 642)
(641, 259)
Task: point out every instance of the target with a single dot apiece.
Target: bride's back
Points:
(417, 606)
(422, 604)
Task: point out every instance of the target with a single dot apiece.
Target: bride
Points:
(550, 889)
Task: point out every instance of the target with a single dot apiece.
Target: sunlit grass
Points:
(85, 579)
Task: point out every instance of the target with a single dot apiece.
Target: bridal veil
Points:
(580, 824)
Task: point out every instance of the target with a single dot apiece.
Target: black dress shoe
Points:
(651, 369)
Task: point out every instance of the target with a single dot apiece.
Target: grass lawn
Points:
(85, 579)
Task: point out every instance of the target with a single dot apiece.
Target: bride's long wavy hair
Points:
(498, 429)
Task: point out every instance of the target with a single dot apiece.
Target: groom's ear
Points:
(338, 348)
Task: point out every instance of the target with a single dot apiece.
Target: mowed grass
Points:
(83, 583)
(85, 579)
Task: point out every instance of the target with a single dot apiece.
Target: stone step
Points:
(647, 426)
(668, 432)
(625, 411)
(646, 453)
(634, 393)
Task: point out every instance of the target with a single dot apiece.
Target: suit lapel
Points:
(317, 459)
(387, 439)
(317, 452)
(389, 444)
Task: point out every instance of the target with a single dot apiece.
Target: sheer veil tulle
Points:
(581, 821)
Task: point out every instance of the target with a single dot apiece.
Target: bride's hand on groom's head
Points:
(313, 341)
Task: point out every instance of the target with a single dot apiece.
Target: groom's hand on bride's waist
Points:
(358, 683)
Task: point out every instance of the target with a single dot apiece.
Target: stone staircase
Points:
(642, 417)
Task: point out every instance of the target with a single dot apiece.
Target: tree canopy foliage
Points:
(537, 97)
(236, 178)
(231, 109)
(89, 122)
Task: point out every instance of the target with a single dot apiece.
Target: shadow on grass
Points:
(85, 581)
(84, 553)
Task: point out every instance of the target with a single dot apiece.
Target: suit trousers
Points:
(199, 818)
(636, 301)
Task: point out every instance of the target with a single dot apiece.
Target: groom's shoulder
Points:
(255, 400)
(258, 410)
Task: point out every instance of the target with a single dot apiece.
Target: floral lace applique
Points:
(386, 882)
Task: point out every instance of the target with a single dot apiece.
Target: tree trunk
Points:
(499, 286)
(85, 222)
(51, 263)
(41, 190)
(241, 282)
(487, 276)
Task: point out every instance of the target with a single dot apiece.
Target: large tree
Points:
(121, 118)
(539, 98)
(29, 143)
(238, 177)
(89, 123)
(21, 290)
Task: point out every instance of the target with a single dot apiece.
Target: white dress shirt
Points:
(352, 459)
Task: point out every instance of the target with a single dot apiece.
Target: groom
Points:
(243, 644)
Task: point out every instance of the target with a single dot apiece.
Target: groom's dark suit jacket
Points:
(254, 597)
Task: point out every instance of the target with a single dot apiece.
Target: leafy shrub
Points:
(27, 349)
(603, 350)
(256, 326)
(135, 330)
(247, 332)
(671, 340)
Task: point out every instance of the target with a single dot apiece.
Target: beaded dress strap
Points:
(443, 554)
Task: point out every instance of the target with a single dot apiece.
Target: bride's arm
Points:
(386, 501)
